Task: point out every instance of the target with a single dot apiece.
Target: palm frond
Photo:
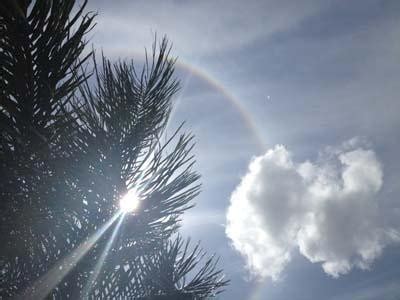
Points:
(173, 271)
(39, 49)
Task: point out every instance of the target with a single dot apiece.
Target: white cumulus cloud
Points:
(329, 210)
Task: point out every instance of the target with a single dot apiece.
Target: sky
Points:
(294, 106)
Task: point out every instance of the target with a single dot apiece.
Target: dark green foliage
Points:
(118, 143)
(165, 271)
(172, 271)
(39, 52)
(71, 146)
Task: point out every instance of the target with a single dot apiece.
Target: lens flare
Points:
(45, 284)
(93, 277)
(129, 202)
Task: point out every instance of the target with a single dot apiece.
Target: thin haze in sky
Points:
(294, 105)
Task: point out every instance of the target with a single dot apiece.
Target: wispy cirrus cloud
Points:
(197, 27)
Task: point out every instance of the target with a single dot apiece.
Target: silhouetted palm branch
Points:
(71, 147)
(172, 271)
(39, 49)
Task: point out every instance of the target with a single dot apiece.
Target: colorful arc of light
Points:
(211, 80)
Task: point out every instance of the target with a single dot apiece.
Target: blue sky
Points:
(317, 217)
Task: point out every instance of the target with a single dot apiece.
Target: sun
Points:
(129, 202)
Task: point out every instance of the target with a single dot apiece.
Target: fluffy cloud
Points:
(329, 210)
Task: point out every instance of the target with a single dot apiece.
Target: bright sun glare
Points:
(129, 202)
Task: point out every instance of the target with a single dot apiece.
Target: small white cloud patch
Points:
(328, 209)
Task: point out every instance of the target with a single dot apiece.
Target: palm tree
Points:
(39, 67)
(71, 147)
